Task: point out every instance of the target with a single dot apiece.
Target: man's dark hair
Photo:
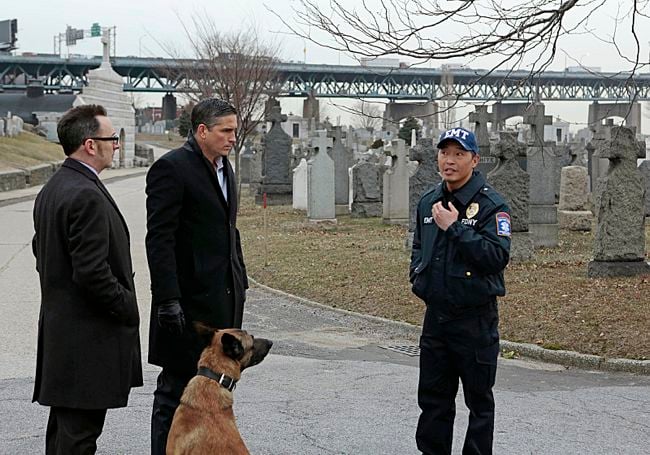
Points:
(77, 125)
(208, 112)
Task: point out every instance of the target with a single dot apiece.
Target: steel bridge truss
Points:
(167, 76)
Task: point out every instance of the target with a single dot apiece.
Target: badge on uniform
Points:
(472, 210)
(503, 224)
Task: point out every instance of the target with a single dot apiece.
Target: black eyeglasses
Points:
(114, 139)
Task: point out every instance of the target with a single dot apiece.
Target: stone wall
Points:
(13, 180)
(17, 179)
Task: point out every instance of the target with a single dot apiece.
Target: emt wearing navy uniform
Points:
(460, 248)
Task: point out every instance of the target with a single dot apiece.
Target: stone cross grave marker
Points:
(513, 183)
(535, 117)
(619, 242)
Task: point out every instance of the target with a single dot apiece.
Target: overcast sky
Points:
(140, 23)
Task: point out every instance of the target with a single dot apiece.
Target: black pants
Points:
(73, 431)
(170, 386)
(465, 349)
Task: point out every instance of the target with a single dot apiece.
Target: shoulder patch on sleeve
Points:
(503, 224)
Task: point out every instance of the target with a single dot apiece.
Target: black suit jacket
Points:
(194, 252)
(88, 342)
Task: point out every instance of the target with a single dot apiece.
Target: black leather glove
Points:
(171, 317)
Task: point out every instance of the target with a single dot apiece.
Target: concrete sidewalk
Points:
(108, 175)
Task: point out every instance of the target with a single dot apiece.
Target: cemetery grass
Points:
(361, 265)
(166, 141)
(27, 149)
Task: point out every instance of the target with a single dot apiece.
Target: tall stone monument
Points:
(276, 160)
(513, 183)
(541, 162)
(619, 243)
(320, 181)
(396, 185)
(342, 163)
(105, 87)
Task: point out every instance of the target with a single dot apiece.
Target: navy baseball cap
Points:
(464, 137)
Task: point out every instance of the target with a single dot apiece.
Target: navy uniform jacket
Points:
(459, 272)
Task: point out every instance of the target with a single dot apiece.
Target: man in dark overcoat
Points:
(88, 355)
(194, 253)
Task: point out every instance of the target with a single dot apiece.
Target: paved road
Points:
(327, 388)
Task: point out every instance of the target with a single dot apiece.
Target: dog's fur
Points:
(204, 422)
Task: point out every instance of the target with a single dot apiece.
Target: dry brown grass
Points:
(168, 141)
(362, 265)
(27, 149)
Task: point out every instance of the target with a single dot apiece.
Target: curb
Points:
(569, 359)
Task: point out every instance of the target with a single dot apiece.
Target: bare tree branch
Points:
(237, 67)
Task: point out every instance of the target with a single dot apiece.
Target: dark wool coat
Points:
(88, 341)
(194, 252)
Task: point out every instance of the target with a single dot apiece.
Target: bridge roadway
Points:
(339, 81)
(327, 386)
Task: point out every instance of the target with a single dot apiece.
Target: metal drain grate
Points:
(409, 349)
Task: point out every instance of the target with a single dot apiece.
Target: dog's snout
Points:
(261, 348)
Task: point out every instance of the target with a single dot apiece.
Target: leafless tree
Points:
(506, 34)
(368, 115)
(237, 67)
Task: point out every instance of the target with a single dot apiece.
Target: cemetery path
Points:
(328, 387)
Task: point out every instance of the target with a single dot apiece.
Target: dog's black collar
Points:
(224, 381)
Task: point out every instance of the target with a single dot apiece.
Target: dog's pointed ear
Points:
(205, 332)
(232, 347)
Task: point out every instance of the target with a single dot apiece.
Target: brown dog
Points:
(204, 422)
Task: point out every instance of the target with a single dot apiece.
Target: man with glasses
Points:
(194, 253)
(88, 355)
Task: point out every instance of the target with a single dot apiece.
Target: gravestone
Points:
(342, 162)
(425, 177)
(644, 168)
(245, 159)
(480, 118)
(320, 181)
(536, 118)
(256, 171)
(276, 158)
(564, 157)
(396, 185)
(13, 126)
(2, 127)
(619, 242)
(573, 210)
(513, 183)
(578, 153)
(300, 186)
(367, 188)
(540, 165)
